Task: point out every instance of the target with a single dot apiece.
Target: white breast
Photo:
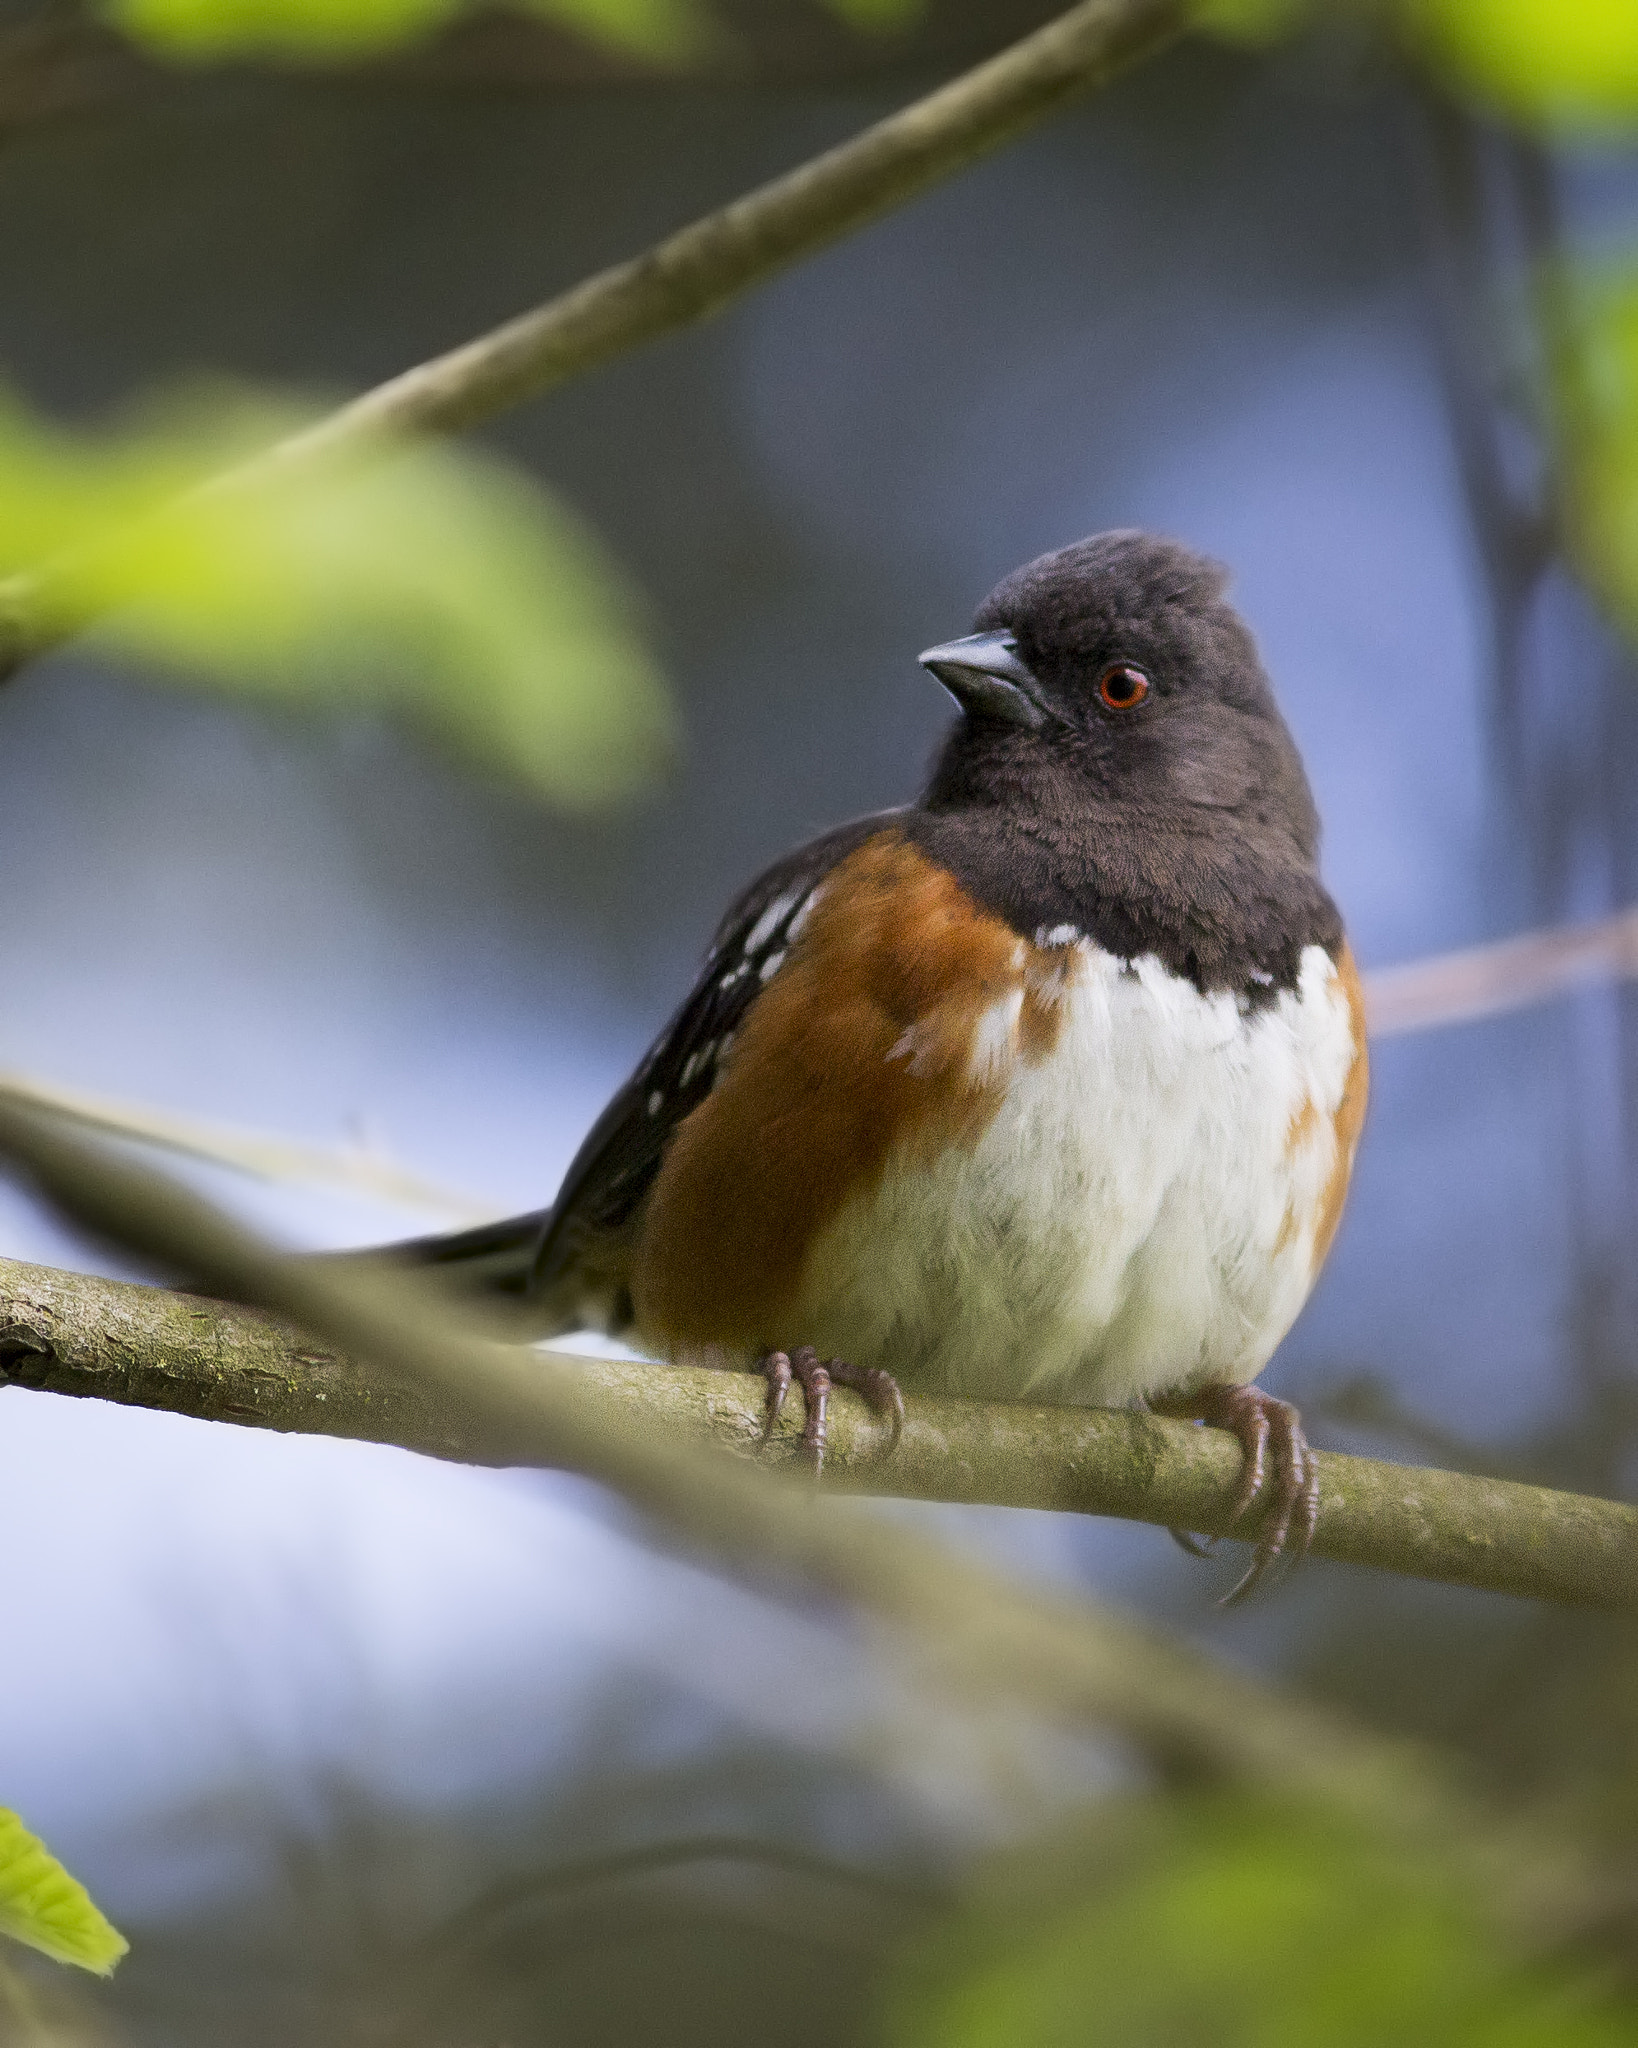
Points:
(1138, 1216)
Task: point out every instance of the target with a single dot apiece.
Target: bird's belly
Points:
(1145, 1210)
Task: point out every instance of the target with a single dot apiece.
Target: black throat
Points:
(1225, 899)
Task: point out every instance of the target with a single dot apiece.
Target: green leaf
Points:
(201, 31)
(1594, 400)
(422, 580)
(665, 31)
(1246, 1925)
(1546, 63)
(1591, 320)
(340, 31)
(336, 31)
(40, 1904)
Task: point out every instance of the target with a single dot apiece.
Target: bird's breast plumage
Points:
(1003, 1164)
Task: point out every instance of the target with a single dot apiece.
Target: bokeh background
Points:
(292, 1706)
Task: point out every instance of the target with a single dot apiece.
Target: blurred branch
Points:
(69, 1334)
(257, 1153)
(693, 273)
(969, 1645)
(1416, 995)
(1512, 974)
(961, 1631)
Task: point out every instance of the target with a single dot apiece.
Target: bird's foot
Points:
(1271, 1436)
(816, 1378)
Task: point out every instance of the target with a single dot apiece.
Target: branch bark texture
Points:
(71, 1334)
(696, 271)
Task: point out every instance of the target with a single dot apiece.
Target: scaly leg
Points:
(816, 1378)
(1270, 1433)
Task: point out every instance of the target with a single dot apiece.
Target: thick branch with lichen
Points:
(70, 1334)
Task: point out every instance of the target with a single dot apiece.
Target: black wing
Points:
(616, 1165)
(537, 1255)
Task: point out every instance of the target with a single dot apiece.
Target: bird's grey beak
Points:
(986, 678)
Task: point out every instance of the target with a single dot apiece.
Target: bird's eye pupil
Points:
(1123, 686)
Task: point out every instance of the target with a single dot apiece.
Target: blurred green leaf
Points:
(320, 30)
(1594, 401)
(1558, 63)
(41, 1905)
(1244, 1925)
(428, 581)
(338, 31)
(878, 17)
(666, 31)
(1256, 23)
(334, 31)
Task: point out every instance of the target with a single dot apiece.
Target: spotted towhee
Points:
(1047, 1085)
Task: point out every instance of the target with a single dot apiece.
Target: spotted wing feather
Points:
(611, 1174)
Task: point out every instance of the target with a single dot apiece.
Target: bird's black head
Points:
(1112, 675)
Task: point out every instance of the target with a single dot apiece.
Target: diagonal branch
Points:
(68, 1334)
(964, 1631)
(967, 1641)
(695, 272)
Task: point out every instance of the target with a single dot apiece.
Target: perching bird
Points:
(1046, 1086)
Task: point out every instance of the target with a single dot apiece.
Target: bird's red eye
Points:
(1123, 686)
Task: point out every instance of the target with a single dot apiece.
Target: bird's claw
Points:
(816, 1377)
(1271, 1436)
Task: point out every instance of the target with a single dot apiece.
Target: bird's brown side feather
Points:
(1349, 1118)
(862, 1041)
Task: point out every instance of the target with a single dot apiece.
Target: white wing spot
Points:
(794, 929)
(698, 1060)
(655, 1100)
(1262, 978)
(772, 965)
(766, 925)
(1059, 935)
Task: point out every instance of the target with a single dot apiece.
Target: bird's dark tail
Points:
(490, 1259)
(490, 1262)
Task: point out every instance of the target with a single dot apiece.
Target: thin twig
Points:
(1511, 974)
(1416, 995)
(260, 1154)
(691, 274)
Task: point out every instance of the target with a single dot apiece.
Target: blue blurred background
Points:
(1209, 303)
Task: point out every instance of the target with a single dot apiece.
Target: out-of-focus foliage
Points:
(665, 31)
(40, 1904)
(1567, 67)
(1594, 401)
(1247, 1925)
(339, 30)
(428, 581)
(1556, 64)
(1255, 22)
(878, 16)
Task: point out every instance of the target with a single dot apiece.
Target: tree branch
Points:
(691, 274)
(961, 1635)
(69, 1334)
(963, 1639)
